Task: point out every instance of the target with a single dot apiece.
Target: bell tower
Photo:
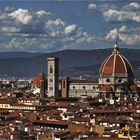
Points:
(42, 85)
(53, 77)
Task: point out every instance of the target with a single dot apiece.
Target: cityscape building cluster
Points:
(62, 108)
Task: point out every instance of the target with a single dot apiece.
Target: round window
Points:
(84, 87)
(108, 80)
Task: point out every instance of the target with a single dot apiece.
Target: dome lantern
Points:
(116, 48)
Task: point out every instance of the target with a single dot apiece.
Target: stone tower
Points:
(42, 85)
(53, 77)
(64, 86)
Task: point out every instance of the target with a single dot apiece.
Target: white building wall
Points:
(79, 89)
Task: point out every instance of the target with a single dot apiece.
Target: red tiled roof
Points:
(104, 138)
(54, 112)
(82, 119)
(106, 88)
(9, 116)
(6, 101)
(84, 81)
(109, 120)
(36, 80)
(112, 111)
(51, 122)
(60, 104)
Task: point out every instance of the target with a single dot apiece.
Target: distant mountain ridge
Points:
(72, 62)
(4, 55)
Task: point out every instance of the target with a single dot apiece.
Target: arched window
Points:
(64, 84)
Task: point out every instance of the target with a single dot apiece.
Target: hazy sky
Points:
(56, 25)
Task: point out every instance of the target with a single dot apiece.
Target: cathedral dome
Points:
(116, 65)
(36, 80)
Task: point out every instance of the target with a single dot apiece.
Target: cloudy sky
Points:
(44, 26)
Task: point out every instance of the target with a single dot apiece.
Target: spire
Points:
(42, 72)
